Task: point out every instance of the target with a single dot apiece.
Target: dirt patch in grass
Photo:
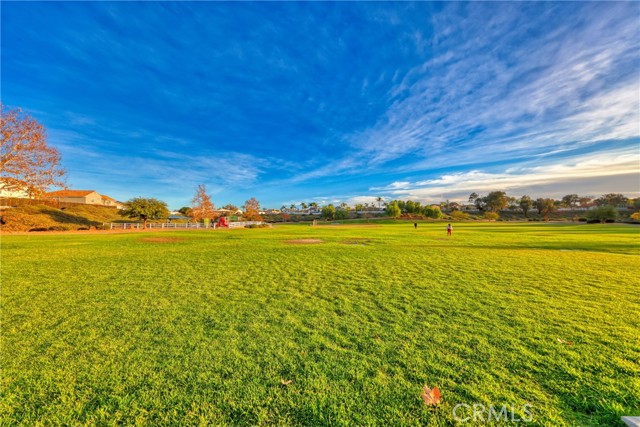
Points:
(162, 239)
(304, 241)
(360, 242)
(348, 224)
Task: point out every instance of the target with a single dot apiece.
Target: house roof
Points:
(178, 217)
(70, 193)
(109, 198)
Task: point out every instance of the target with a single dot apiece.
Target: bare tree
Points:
(27, 163)
(201, 205)
(252, 210)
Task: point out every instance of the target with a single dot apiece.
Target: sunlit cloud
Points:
(468, 103)
(538, 179)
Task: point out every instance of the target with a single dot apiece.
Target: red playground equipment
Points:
(223, 221)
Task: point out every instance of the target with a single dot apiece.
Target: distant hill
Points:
(42, 217)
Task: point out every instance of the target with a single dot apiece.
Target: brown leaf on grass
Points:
(376, 336)
(561, 341)
(431, 396)
(285, 382)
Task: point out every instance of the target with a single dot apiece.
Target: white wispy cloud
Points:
(484, 97)
(617, 171)
(160, 173)
(401, 93)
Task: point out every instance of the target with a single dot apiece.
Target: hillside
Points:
(42, 217)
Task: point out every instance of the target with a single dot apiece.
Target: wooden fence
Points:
(174, 225)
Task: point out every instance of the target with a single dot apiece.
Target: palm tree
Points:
(292, 207)
(379, 200)
(303, 205)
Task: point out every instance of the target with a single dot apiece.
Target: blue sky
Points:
(331, 102)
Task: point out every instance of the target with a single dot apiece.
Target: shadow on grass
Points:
(618, 248)
(548, 228)
(64, 217)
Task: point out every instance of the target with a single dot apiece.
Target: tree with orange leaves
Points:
(201, 205)
(252, 210)
(27, 163)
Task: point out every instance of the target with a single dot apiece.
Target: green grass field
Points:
(201, 328)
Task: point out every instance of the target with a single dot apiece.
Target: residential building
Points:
(12, 194)
(85, 197)
(108, 201)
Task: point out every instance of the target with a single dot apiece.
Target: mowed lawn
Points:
(203, 327)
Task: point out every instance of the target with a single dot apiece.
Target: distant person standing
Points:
(449, 230)
(415, 225)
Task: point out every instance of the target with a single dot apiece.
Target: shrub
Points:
(432, 212)
(329, 212)
(635, 216)
(491, 216)
(342, 214)
(59, 228)
(459, 215)
(39, 229)
(413, 217)
(393, 210)
(602, 214)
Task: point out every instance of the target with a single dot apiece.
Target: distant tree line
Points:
(201, 209)
(606, 209)
(398, 207)
(602, 209)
